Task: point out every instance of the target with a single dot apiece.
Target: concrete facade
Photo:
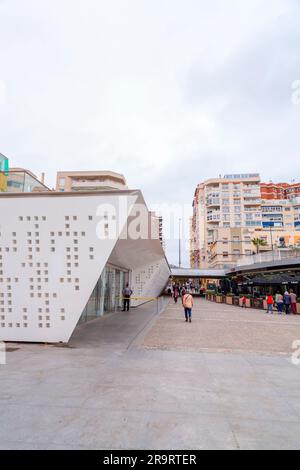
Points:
(89, 181)
(53, 250)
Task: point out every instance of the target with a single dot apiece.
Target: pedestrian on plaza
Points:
(287, 302)
(293, 302)
(270, 303)
(244, 300)
(187, 302)
(127, 293)
(279, 302)
(175, 294)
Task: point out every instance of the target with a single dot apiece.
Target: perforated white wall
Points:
(51, 258)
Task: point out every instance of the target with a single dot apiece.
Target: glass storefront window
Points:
(107, 294)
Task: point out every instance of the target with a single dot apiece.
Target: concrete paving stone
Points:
(189, 432)
(145, 381)
(254, 434)
(257, 407)
(32, 424)
(103, 429)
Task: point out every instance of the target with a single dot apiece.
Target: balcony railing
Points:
(213, 202)
(275, 255)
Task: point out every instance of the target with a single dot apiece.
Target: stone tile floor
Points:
(142, 381)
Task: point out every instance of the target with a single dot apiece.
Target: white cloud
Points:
(167, 92)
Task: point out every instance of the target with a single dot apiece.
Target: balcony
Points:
(252, 201)
(213, 202)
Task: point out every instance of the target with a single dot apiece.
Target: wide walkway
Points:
(138, 380)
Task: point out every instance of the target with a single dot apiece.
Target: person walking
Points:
(127, 293)
(175, 294)
(279, 302)
(270, 303)
(287, 302)
(244, 300)
(187, 302)
(293, 302)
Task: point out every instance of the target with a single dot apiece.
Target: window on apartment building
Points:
(237, 202)
(236, 238)
(248, 252)
(62, 181)
(237, 209)
(236, 252)
(226, 217)
(225, 254)
(226, 225)
(225, 202)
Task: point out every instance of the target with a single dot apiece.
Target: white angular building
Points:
(65, 258)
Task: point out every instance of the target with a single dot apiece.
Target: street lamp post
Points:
(271, 236)
(179, 245)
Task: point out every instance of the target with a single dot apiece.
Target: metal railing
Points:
(275, 255)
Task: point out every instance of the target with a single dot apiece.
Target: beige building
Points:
(157, 227)
(89, 181)
(233, 245)
(229, 212)
(230, 202)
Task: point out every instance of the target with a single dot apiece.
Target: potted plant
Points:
(257, 302)
(265, 305)
(210, 294)
(229, 299)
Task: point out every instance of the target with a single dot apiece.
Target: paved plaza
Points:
(140, 380)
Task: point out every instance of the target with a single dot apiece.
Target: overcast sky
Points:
(167, 92)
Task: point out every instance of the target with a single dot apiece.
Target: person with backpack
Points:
(127, 292)
(187, 302)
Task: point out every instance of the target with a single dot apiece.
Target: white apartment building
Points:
(228, 213)
(230, 202)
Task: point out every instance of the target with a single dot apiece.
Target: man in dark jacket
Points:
(127, 292)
